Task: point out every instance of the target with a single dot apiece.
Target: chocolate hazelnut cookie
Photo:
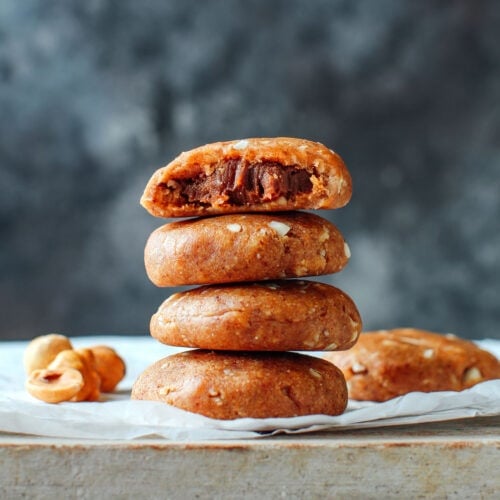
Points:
(230, 385)
(388, 363)
(291, 315)
(249, 175)
(244, 247)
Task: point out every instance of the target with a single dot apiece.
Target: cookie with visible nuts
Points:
(249, 175)
(244, 247)
(388, 363)
(230, 385)
(286, 315)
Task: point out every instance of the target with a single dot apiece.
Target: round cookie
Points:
(229, 385)
(244, 247)
(389, 363)
(249, 175)
(291, 315)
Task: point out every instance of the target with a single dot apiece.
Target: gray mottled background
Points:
(95, 95)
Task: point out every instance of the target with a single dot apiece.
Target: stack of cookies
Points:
(242, 239)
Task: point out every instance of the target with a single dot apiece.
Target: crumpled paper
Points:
(118, 417)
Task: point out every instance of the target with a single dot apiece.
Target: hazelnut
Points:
(54, 386)
(42, 350)
(83, 361)
(109, 365)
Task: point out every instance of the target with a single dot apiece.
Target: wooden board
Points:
(458, 459)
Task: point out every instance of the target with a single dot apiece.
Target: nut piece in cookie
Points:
(249, 175)
(109, 365)
(286, 315)
(244, 247)
(389, 363)
(229, 385)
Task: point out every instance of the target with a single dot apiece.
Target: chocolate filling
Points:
(241, 183)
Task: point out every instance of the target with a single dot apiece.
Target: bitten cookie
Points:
(244, 247)
(389, 363)
(249, 175)
(292, 315)
(229, 385)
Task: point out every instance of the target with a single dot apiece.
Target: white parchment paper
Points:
(118, 417)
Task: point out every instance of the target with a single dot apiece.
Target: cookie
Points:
(290, 315)
(244, 247)
(389, 363)
(249, 175)
(229, 385)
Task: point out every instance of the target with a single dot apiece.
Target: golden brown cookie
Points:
(389, 363)
(229, 385)
(244, 247)
(291, 315)
(249, 175)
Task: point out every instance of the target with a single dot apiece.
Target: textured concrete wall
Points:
(95, 95)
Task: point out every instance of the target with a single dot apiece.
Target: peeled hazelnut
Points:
(42, 350)
(54, 386)
(109, 365)
(83, 361)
